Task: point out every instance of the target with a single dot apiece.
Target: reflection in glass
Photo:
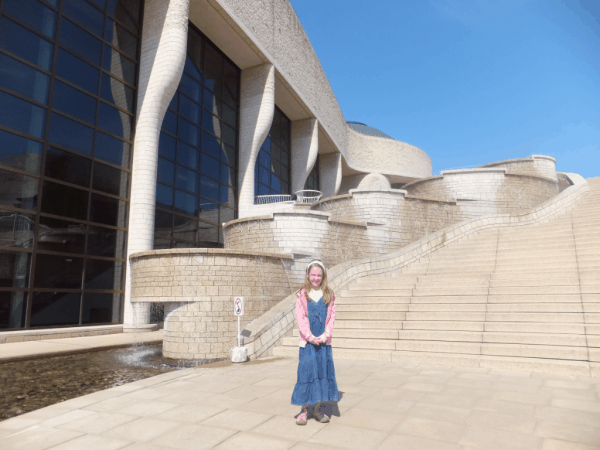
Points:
(106, 242)
(163, 223)
(185, 228)
(226, 215)
(164, 196)
(85, 14)
(66, 201)
(52, 271)
(18, 190)
(187, 155)
(23, 79)
(190, 110)
(108, 210)
(160, 243)
(80, 41)
(166, 145)
(127, 11)
(12, 309)
(110, 180)
(209, 211)
(101, 308)
(55, 308)
(102, 274)
(188, 132)
(210, 166)
(174, 105)
(186, 179)
(74, 102)
(21, 115)
(207, 233)
(26, 44)
(16, 229)
(210, 144)
(20, 153)
(116, 92)
(115, 121)
(71, 134)
(191, 88)
(61, 236)
(112, 150)
(119, 65)
(166, 171)
(121, 38)
(186, 203)
(33, 14)
(77, 71)
(170, 122)
(14, 269)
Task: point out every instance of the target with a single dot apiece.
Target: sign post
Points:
(240, 354)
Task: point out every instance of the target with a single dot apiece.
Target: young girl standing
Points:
(315, 314)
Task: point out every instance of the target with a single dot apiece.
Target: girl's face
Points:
(315, 277)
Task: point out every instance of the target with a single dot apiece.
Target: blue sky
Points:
(467, 81)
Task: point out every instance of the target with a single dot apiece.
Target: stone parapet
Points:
(539, 165)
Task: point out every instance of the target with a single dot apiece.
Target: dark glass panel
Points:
(190, 110)
(55, 308)
(186, 244)
(276, 184)
(106, 242)
(121, 38)
(187, 155)
(166, 146)
(186, 179)
(266, 146)
(229, 70)
(186, 203)
(264, 176)
(116, 92)
(80, 41)
(210, 166)
(73, 102)
(209, 101)
(191, 69)
(160, 243)
(58, 272)
(209, 188)
(105, 275)
(276, 152)
(209, 211)
(263, 190)
(185, 228)
(111, 180)
(127, 11)
(228, 156)
(189, 132)
(264, 159)
(66, 166)
(99, 3)
(170, 122)
(211, 123)
(213, 68)
(229, 115)
(20, 153)
(191, 88)
(21, 42)
(64, 201)
(285, 158)
(226, 215)
(21, 115)
(101, 308)
(18, 190)
(108, 210)
(54, 2)
(32, 13)
(12, 308)
(174, 105)
(119, 65)
(230, 91)
(164, 196)
(115, 121)
(166, 171)
(163, 223)
(61, 235)
(112, 150)
(285, 188)
(228, 196)
(71, 134)
(23, 79)
(229, 135)
(14, 269)
(227, 175)
(85, 14)
(210, 144)
(16, 229)
(208, 233)
(77, 71)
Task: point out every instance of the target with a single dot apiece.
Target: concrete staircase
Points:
(523, 298)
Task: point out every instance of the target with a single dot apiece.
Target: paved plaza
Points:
(382, 406)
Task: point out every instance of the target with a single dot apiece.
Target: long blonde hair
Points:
(306, 286)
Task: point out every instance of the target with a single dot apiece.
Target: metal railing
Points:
(308, 196)
(301, 197)
(277, 198)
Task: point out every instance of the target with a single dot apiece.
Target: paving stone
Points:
(487, 437)
(371, 419)
(286, 428)
(501, 422)
(237, 420)
(91, 442)
(437, 412)
(555, 444)
(253, 441)
(97, 423)
(37, 438)
(404, 442)
(430, 429)
(568, 432)
(348, 437)
(143, 429)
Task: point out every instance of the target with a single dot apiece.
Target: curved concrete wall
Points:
(536, 165)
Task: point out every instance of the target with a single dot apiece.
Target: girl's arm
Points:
(331, 321)
(302, 318)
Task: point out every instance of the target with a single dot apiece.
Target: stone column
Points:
(164, 45)
(305, 148)
(330, 174)
(257, 106)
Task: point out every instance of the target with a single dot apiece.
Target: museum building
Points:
(132, 125)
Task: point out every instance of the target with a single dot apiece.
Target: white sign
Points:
(238, 306)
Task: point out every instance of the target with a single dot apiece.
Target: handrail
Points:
(308, 196)
(276, 198)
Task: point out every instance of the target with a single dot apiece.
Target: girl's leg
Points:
(303, 417)
(318, 415)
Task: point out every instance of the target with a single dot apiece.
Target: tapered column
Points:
(164, 45)
(330, 174)
(257, 106)
(305, 148)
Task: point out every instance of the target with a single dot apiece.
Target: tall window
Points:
(312, 182)
(272, 169)
(197, 183)
(68, 73)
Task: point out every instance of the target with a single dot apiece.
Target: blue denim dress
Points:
(316, 374)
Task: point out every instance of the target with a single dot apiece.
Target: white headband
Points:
(317, 262)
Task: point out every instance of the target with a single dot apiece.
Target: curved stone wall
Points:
(490, 190)
(364, 181)
(536, 165)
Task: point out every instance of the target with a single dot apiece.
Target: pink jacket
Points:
(304, 324)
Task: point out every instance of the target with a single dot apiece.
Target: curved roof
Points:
(365, 129)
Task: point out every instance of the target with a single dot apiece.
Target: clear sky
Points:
(467, 81)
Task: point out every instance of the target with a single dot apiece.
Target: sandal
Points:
(318, 415)
(301, 419)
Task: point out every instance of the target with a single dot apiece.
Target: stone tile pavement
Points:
(383, 406)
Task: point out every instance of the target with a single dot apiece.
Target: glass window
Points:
(228, 156)
(58, 272)
(23, 79)
(191, 69)
(210, 144)
(110, 180)
(80, 41)
(108, 211)
(174, 105)
(186, 203)
(121, 38)
(66, 201)
(170, 122)
(209, 211)
(191, 88)
(66, 166)
(213, 68)
(12, 308)
(164, 196)
(226, 215)
(112, 150)
(71, 134)
(73, 102)
(33, 14)
(15, 271)
(127, 11)
(102, 274)
(61, 235)
(163, 223)
(187, 155)
(26, 44)
(116, 92)
(227, 175)
(20, 153)
(119, 65)
(106, 242)
(115, 121)
(85, 14)
(55, 308)
(186, 179)
(209, 189)
(166, 171)
(18, 190)
(188, 132)
(21, 115)
(185, 228)
(190, 110)
(16, 230)
(166, 146)
(77, 71)
(210, 166)
(101, 308)
(207, 233)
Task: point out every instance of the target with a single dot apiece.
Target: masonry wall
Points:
(537, 165)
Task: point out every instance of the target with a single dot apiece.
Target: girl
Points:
(315, 314)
